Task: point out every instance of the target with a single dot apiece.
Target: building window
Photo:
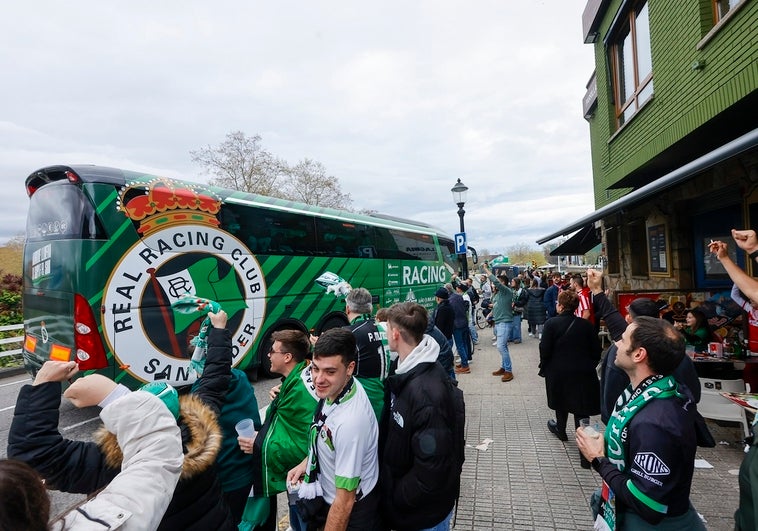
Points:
(722, 7)
(638, 249)
(612, 250)
(632, 63)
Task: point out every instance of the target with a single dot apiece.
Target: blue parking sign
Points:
(460, 243)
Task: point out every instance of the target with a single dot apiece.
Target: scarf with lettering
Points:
(627, 406)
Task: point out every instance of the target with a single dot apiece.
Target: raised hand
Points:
(89, 390)
(218, 320)
(56, 371)
(745, 240)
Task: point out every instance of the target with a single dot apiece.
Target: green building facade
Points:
(673, 114)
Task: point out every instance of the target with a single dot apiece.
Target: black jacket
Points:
(569, 352)
(443, 318)
(446, 353)
(535, 306)
(420, 473)
(460, 310)
(84, 467)
(661, 435)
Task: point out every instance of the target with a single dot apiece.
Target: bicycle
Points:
(480, 319)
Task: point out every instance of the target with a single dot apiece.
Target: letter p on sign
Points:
(460, 243)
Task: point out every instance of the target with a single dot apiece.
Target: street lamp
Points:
(459, 197)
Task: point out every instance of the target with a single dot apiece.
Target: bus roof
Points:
(90, 173)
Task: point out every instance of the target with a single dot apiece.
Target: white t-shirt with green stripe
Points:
(347, 445)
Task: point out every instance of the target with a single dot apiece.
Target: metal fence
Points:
(11, 340)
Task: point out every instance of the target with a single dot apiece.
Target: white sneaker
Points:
(531, 335)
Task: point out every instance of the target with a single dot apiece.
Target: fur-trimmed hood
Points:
(201, 438)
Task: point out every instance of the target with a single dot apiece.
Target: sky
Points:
(397, 99)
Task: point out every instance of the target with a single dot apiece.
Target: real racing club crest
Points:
(182, 251)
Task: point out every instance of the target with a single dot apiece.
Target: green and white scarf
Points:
(191, 304)
(311, 487)
(628, 405)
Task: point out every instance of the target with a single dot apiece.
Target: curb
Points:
(15, 371)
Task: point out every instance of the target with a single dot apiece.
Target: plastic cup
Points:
(589, 429)
(293, 493)
(245, 428)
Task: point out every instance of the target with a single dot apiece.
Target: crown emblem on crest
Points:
(163, 202)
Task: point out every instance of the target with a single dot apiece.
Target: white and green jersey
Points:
(347, 445)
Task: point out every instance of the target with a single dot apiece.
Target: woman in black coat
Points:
(569, 352)
(536, 313)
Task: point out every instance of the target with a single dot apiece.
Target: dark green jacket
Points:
(503, 299)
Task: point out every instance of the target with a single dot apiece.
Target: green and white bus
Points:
(107, 252)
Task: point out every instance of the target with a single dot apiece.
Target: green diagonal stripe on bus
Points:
(96, 297)
(112, 240)
(107, 202)
(303, 273)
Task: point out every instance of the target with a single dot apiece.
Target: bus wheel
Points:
(333, 321)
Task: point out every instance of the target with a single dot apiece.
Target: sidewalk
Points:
(528, 479)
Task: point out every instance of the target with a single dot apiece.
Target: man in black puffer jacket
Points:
(422, 429)
(85, 467)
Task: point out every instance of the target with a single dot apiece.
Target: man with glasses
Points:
(282, 441)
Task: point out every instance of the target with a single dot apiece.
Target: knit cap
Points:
(166, 393)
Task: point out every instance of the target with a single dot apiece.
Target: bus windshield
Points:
(60, 211)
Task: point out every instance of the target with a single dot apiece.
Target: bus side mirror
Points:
(474, 256)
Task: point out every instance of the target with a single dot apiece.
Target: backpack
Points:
(521, 299)
(473, 295)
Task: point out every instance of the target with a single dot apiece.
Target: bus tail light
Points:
(30, 344)
(89, 348)
(72, 177)
(60, 353)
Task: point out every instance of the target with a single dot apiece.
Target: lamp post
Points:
(459, 197)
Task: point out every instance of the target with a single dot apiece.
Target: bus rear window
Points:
(61, 211)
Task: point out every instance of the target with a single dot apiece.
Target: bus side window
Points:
(344, 238)
(412, 246)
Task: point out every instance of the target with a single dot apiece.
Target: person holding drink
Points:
(647, 455)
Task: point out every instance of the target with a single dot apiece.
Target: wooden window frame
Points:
(629, 30)
(717, 15)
